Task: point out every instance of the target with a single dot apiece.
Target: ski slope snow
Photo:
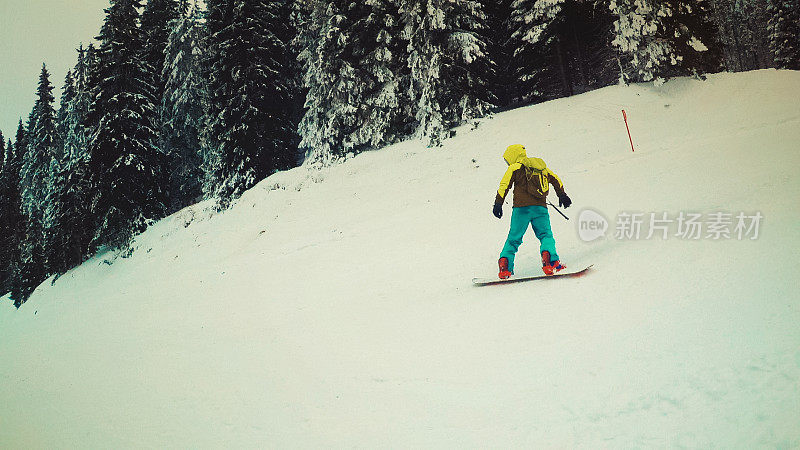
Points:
(334, 307)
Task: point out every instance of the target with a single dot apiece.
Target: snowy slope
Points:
(335, 309)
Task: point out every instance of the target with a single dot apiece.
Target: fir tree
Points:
(384, 60)
(68, 222)
(742, 31)
(21, 142)
(306, 19)
(757, 18)
(250, 134)
(503, 80)
(67, 94)
(12, 221)
(660, 40)
(448, 63)
(18, 223)
(602, 64)
(55, 178)
(562, 47)
(93, 80)
(125, 165)
(539, 54)
(75, 117)
(41, 149)
(354, 73)
(784, 33)
(184, 110)
(4, 226)
(696, 38)
(156, 23)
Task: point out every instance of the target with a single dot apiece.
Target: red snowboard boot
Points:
(504, 272)
(550, 268)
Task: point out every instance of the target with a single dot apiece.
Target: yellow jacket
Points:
(530, 178)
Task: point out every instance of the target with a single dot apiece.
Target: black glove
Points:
(498, 210)
(563, 200)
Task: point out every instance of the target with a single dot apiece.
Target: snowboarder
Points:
(531, 180)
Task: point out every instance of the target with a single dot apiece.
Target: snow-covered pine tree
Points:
(18, 222)
(733, 35)
(540, 56)
(183, 109)
(448, 63)
(21, 145)
(319, 46)
(42, 146)
(42, 141)
(562, 47)
(742, 33)
(250, 134)
(7, 150)
(54, 180)
(75, 136)
(3, 219)
(67, 94)
(640, 36)
(68, 222)
(784, 33)
(601, 57)
(306, 22)
(386, 62)
(757, 20)
(2, 153)
(5, 229)
(124, 162)
(12, 220)
(41, 149)
(502, 80)
(696, 37)
(355, 70)
(662, 39)
(93, 79)
(156, 24)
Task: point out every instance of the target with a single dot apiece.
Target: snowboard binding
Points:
(504, 272)
(551, 267)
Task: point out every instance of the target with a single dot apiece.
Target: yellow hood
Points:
(516, 154)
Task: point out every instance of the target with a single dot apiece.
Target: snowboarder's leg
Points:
(520, 219)
(540, 222)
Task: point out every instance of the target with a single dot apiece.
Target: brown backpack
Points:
(538, 182)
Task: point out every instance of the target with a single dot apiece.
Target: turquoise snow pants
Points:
(539, 219)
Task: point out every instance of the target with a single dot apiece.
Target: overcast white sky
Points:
(37, 31)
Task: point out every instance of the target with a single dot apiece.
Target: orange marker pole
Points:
(625, 116)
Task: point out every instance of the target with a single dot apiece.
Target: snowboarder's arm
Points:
(556, 182)
(506, 183)
(563, 198)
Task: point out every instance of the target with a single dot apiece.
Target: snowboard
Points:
(513, 279)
